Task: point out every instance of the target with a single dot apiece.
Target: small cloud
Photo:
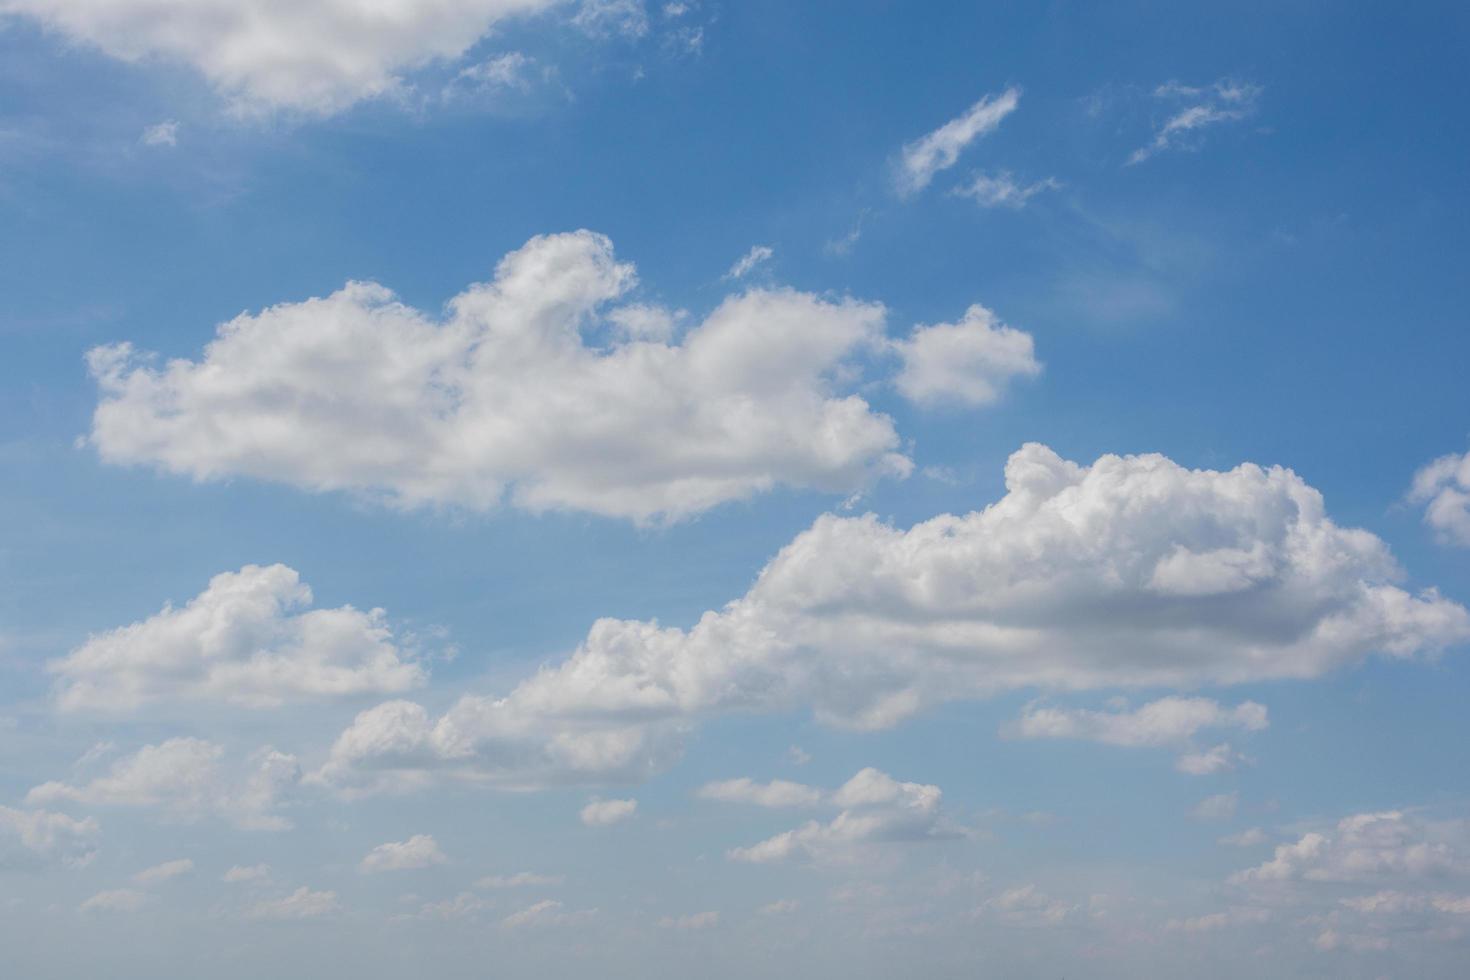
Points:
(164, 871)
(1254, 837)
(1002, 191)
(118, 900)
(419, 851)
(601, 813)
(547, 912)
(522, 879)
(1224, 101)
(1221, 806)
(161, 134)
(240, 874)
(303, 903)
(782, 906)
(938, 150)
(798, 756)
(747, 262)
(698, 920)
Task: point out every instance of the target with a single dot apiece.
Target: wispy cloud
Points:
(938, 150)
(1224, 101)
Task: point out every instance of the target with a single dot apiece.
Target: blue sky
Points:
(796, 489)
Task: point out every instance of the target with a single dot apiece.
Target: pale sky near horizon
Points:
(550, 488)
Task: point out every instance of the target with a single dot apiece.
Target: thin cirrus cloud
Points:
(1443, 487)
(1082, 577)
(511, 395)
(939, 150)
(1197, 108)
(248, 640)
(1169, 722)
(1002, 190)
(314, 57)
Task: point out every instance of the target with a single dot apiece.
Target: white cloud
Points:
(183, 777)
(1211, 922)
(1254, 837)
(875, 808)
(1444, 486)
(782, 906)
(1224, 101)
(1167, 722)
(1131, 572)
(507, 397)
(1221, 806)
(419, 851)
(313, 56)
(248, 639)
(692, 922)
(1027, 905)
(161, 134)
(612, 18)
(117, 900)
(504, 72)
(521, 879)
(1392, 844)
(164, 871)
(547, 912)
(775, 794)
(40, 837)
(746, 263)
(1001, 190)
(601, 813)
(936, 151)
(967, 363)
(303, 903)
(241, 874)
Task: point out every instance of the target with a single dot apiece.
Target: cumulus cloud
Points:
(936, 151)
(314, 57)
(1224, 101)
(1130, 572)
(967, 363)
(164, 871)
(601, 813)
(1001, 190)
(1169, 722)
(1393, 844)
(303, 903)
(776, 794)
(746, 263)
(419, 851)
(116, 900)
(518, 391)
(521, 879)
(185, 778)
(1443, 487)
(32, 838)
(248, 639)
(875, 808)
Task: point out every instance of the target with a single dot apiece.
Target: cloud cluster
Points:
(875, 808)
(312, 56)
(185, 778)
(534, 387)
(1443, 487)
(1169, 722)
(248, 639)
(1131, 572)
(938, 150)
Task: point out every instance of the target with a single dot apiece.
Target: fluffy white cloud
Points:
(39, 837)
(164, 871)
(511, 395)
(875, 808)
(248, 639)
(691, 922)
(1393, 844)
(1224, 101)
(1002, 191)
(1444, 487)
(116, 900)
(521, 879)
(747, 262)
(242, 874)
(1167, 722)
(601, 813)
(936, 151)
(303, 903)
(312, 56)
(185, 778)
(1131, 572)
(967, 363)
(777, 793)
(419, 851)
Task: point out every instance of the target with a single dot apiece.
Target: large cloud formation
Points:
(246, 640)
(533, 386)
(1131, 572)
(313, 56)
